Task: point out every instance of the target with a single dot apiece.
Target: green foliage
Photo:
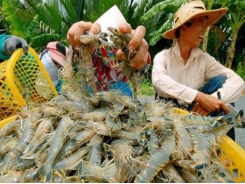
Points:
(94, 9)
(74, 10)
(145, 88)
(240, 70)
(12, 12)
(159, 18)
(40, 41)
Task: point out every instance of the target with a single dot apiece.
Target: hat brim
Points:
(57, 57)
(58, 52)
(111, 18)
(213, 16)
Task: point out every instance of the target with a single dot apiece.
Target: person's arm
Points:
(3, 55)
(207, 103)
(234, 85)
(79, 28)
(141, 59)
(164, 84)
(229, 92)
(10, 43)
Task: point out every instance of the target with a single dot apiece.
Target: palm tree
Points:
(159, 18)
(235, 19)
(50, 22)
(39, 23)
(209, 5)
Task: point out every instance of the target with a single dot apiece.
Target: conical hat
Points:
(111, 18)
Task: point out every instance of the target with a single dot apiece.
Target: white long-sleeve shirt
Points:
(172, 78)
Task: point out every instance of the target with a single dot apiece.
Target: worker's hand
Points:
(78, 29)
(12, 43)
(198, 109)
(137, 41)
(210, 103)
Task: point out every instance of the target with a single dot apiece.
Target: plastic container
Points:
(24, 83)
(233, 157)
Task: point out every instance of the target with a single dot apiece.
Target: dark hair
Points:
(177, 32)
(42, 53)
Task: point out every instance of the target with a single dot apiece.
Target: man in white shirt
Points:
(179, 73)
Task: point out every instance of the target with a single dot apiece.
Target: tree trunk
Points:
(231, 51)
(205, 40)
(243, 64)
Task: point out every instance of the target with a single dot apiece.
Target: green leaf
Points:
(38, 42)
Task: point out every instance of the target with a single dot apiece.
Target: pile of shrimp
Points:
(71, 139)
(107, 137)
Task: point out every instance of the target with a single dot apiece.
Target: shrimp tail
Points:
(39, 174)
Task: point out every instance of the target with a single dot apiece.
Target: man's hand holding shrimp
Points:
(77, 29)
(137, 42)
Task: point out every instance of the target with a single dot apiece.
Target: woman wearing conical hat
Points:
(107, 77)
(179, 73)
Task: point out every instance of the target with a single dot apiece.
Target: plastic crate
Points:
(24, 83)
(233, 157)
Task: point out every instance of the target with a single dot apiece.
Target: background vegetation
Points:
(39, 23)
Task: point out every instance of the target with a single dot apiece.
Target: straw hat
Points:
(191, 10)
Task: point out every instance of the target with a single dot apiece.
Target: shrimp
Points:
(22, 164)
(55, 111)
(124, 165)
(170, 170)
(7, 145)
(86, 70)
(10, 128)
(202, 149)
(156, 161)
(68, 73)
(72, 106)
(26, 137)
(44, 127)
(94, 116)
(153, 143)
(56, 145)
(188, 175)
(183, 139)
(94, 156)
(213, 121)
(13, 177)
(69, 179)
(121, 41)
(71, 161)
(73, 144)
(112, 122)
(85, 66)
